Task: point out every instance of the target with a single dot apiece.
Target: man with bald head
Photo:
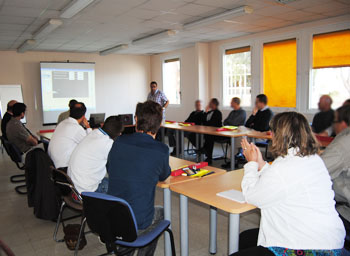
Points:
(7, 117)
(323, 120)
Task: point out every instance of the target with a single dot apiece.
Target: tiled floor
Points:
(28, 236)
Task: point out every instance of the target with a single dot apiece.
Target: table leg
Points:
(162, 134)
(233, 235)
(177, 142)
(197, 146)
(167, 216)
(202, 141)
(184, 225)
(182, 144)
(232, 153)
(213, 230)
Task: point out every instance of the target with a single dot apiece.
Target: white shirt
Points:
(66, 137)
(297, 203)
(87, 165)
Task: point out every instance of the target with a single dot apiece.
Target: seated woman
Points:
(294, 193)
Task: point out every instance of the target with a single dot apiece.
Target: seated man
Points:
(238, 115)
(195, 117)
(65, 115)
(135, 164)
(17, 133)
(7, 117)
(337, 160)
(261, 116)
(87, 165)
(212, 117)
(323, 120)
(68, 134)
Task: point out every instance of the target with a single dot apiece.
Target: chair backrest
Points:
(13, 152)
(64, 183)
(110, 217)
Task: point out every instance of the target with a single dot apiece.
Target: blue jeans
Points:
(103, 186)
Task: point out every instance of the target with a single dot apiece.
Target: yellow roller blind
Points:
(237, 50)
(331, 49)
(280, 73)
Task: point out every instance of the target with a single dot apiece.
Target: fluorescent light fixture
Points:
(27, 45)
(47, 28)
(155, 37)
(218, 17)
(74, 7)
(114, 49)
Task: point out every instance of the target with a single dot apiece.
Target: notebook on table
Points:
(233, 195)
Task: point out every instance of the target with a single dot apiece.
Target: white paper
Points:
(233, 195)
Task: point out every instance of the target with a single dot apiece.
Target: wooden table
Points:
(205, 190)
(176, 163)
(45, 135)
(205, 130)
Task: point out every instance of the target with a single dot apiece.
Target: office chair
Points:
(16, 156)
(114, 221)
(67, 191)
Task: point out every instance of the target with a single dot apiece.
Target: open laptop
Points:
(96, 119)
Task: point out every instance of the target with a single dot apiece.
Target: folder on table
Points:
(233, 195)
(227, 128)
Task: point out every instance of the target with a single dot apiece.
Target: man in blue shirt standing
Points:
(136, 163)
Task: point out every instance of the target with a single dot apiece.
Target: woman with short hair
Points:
(294, 193)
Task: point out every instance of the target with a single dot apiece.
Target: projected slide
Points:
(61, 82)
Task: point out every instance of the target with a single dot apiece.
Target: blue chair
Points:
(114, 221)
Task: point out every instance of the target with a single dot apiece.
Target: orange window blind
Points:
(331, 49)
(280, 73)
(237, 50)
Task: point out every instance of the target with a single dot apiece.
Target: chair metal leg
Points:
(82, 227)
(18, 178)
(59, 220)
(22, 189)
(173, 252)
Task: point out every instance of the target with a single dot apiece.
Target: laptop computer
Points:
(96, 119)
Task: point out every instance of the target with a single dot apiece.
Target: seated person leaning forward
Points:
(294, 194)
(337, 160)
(261, 116)
(65, 115)
(87, 165)
(68, 134)
(196, 117)
(7, 117)
(16, 131)
(135, 164)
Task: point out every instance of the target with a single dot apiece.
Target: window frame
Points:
(223, 50)
(278, 38)
(163, 59)
(310, 33)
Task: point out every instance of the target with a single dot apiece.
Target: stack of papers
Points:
(233, 195)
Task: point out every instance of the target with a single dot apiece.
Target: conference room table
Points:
(205, 191)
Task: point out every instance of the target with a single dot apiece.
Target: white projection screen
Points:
(61, 82)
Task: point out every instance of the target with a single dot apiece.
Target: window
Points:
(330, 68)
(280, 73)
(171, 80)
(237, 76)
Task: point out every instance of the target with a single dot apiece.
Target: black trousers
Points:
(248, 245)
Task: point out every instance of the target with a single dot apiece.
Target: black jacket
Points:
(41, 190)
(213, 118)
(196, 117)
(5, 119)
(261, 121)
(322, 121)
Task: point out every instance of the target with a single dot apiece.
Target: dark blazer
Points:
(196, 117)
(261, 121)
(215, 119)
(41, 190)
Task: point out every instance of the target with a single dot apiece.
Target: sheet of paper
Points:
(233, 195)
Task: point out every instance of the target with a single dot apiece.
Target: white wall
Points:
(121, 80)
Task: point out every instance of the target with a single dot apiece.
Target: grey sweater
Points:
(236, 118)
(337, 160)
